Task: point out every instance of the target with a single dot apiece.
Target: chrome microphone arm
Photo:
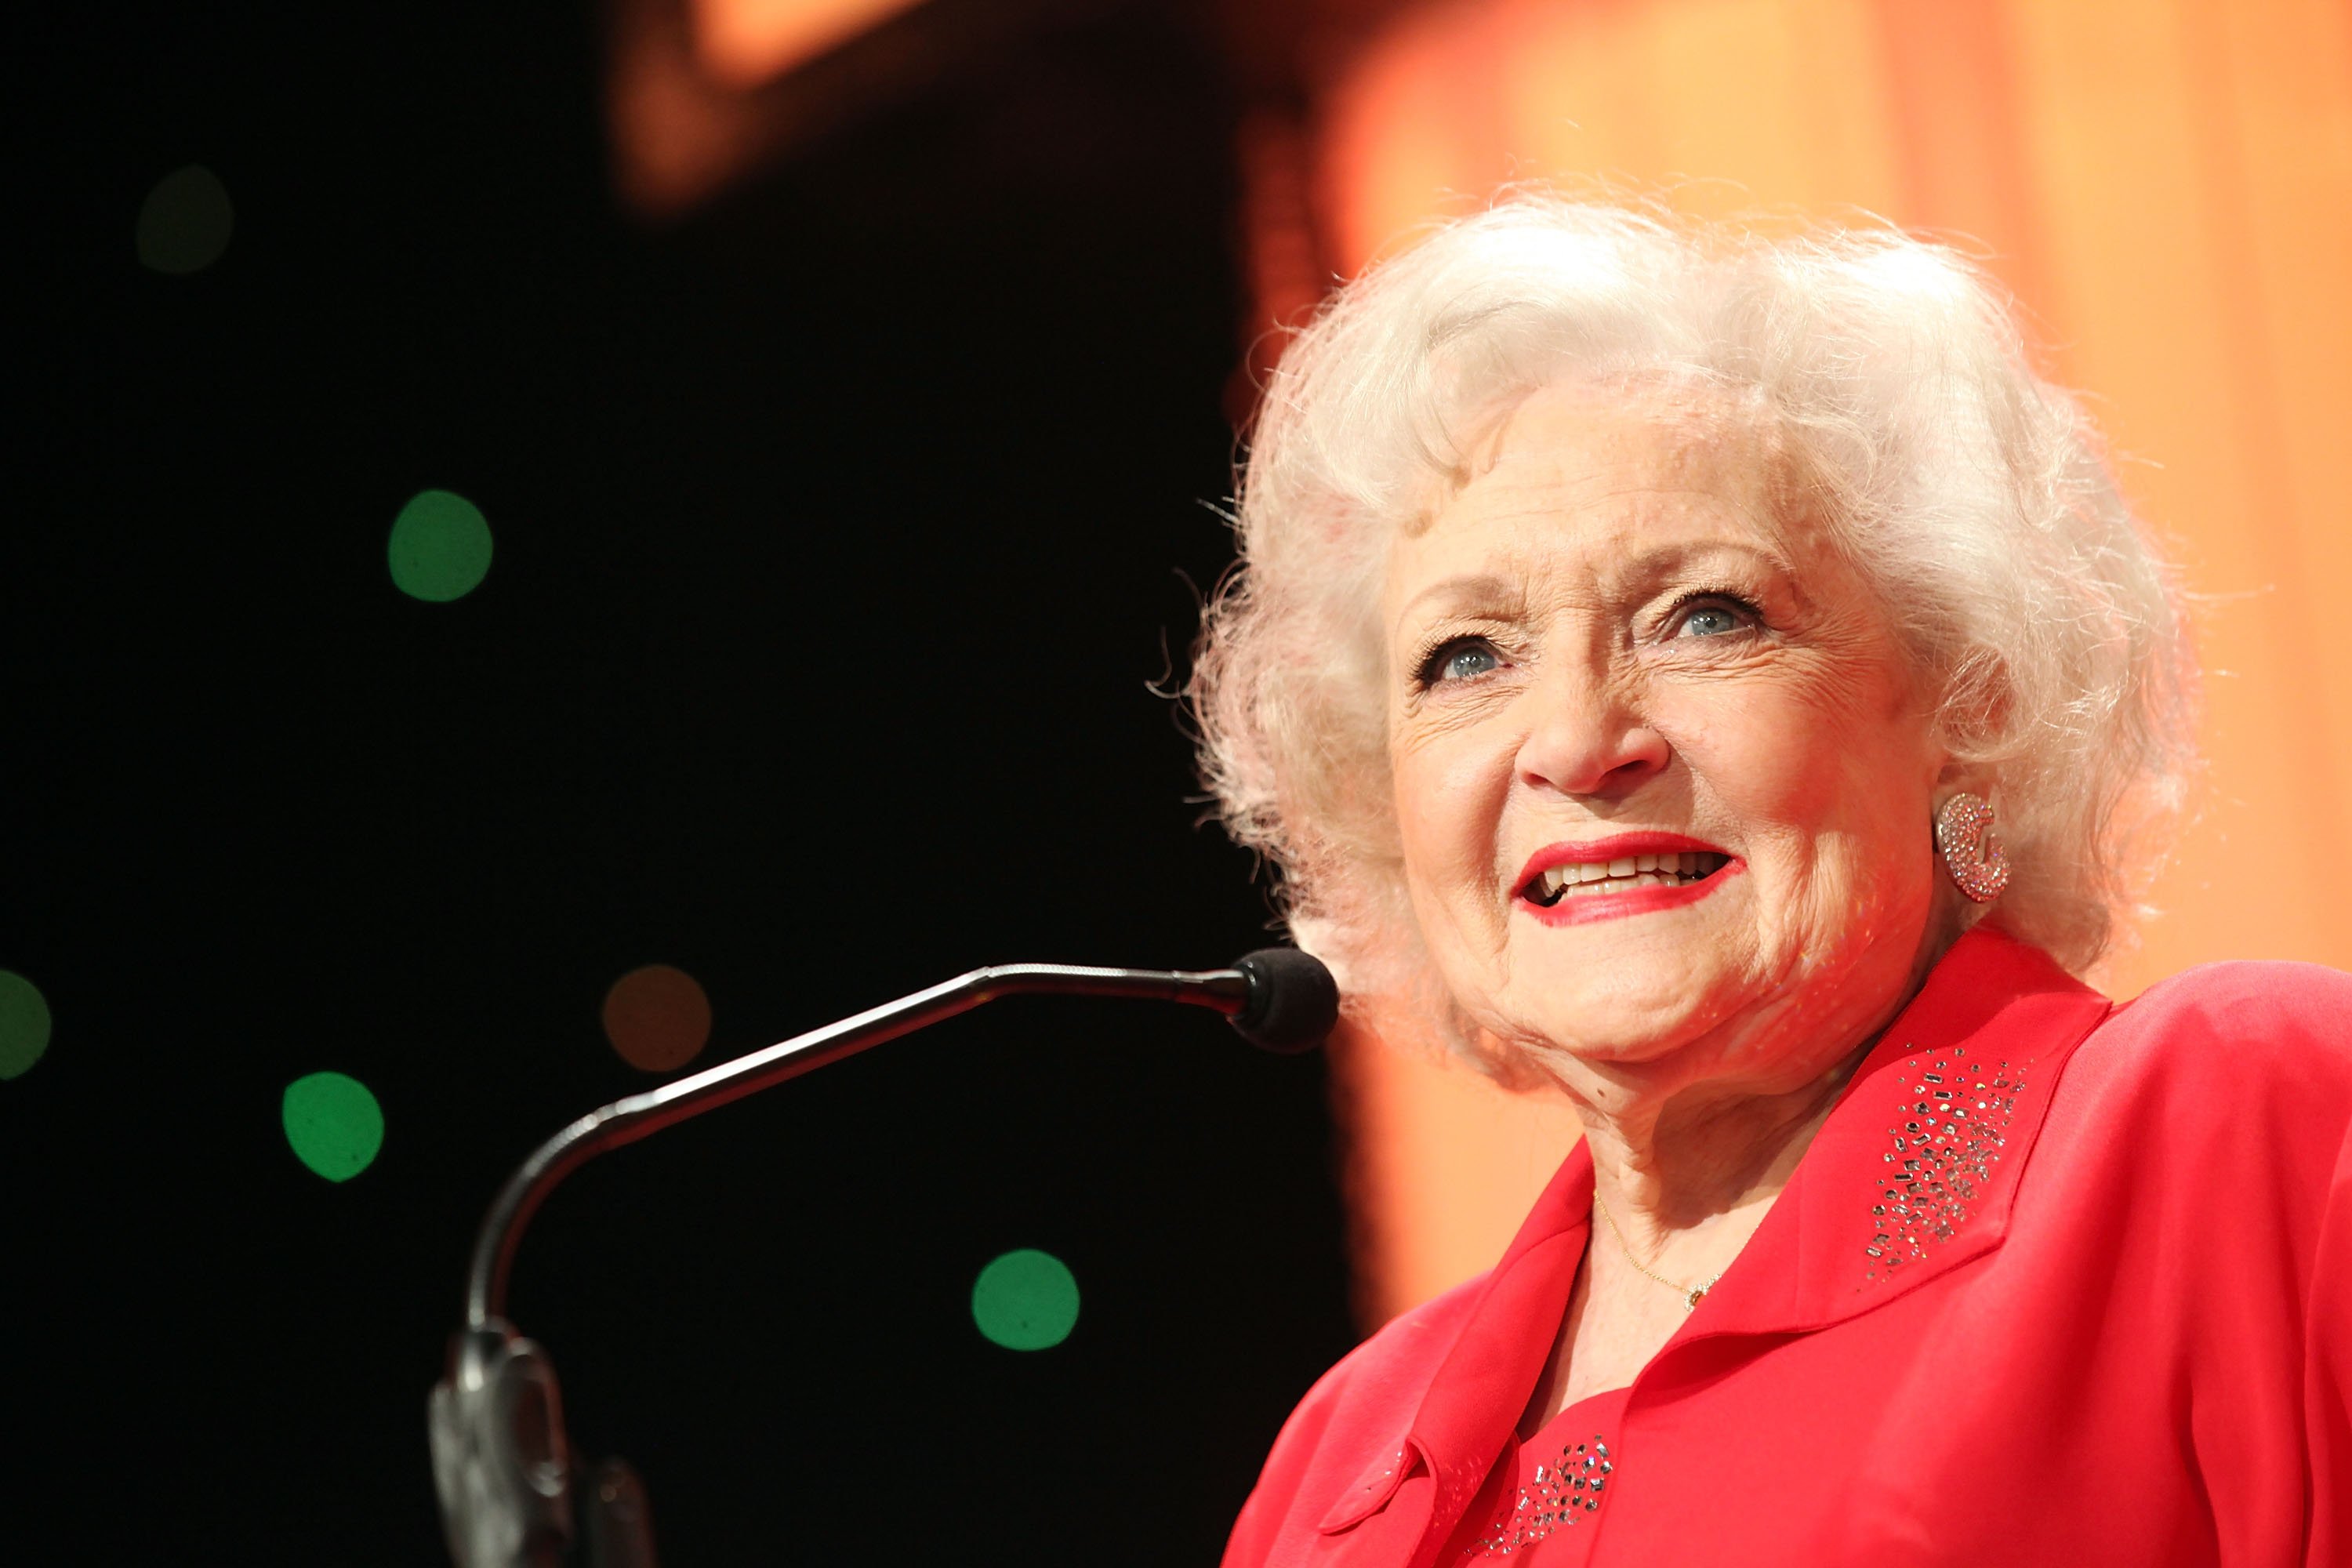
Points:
(501, 1464)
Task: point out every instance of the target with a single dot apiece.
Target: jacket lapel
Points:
(1481, 1385)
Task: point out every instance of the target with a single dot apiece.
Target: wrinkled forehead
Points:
(1617, 457)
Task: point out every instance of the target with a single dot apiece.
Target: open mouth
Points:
(1560, 883)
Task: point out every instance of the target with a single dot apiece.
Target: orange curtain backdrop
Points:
(2167, 187)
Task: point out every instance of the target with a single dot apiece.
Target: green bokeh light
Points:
(440, 547)
(24, 1025)
(334, 1124)
(185, 221)
(1025, 1301)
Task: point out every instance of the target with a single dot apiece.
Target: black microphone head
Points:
(1292, 1000)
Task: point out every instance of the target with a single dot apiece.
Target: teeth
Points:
(1667, 869)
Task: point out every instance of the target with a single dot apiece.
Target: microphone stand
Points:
(501, 1463)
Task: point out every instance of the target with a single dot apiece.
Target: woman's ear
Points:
(1962, 779)
(1954, 777)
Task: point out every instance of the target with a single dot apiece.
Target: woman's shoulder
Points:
(2222, 1038)
(2266, 1011)
(1388, 1371)
(1353, 1420)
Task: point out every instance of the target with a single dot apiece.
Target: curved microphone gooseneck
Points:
(501, 1463)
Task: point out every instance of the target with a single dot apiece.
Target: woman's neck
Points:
(1685, 1181)
(1689, 1150)
(1675, 1164)
(1681, 1143)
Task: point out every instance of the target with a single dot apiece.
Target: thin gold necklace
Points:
(1690, 1298)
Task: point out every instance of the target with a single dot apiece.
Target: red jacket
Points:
(2058, 1282)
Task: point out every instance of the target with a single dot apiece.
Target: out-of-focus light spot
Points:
(184, 223)
(1025, 1301)
(745, 42)
(24, 1025)
(440, 547)
(333, 1123)
(657, 1017)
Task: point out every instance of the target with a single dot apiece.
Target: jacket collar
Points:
(1912, 1175)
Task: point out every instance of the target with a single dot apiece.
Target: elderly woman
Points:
(1713, 678)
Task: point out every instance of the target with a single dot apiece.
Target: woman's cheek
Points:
(1449, 796)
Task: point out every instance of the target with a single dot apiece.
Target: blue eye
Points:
(1464, 663)
(1465, 659)
(1714, 616)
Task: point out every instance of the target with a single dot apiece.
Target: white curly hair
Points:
(1975, 495)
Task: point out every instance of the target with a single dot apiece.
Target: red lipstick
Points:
(1579, 909)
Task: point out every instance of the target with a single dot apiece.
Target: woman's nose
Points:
(1586, 736)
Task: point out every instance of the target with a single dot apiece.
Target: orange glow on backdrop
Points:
(2167, 189)
(701, 93)
(746, 42)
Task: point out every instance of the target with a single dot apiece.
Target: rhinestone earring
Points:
(1964, 837)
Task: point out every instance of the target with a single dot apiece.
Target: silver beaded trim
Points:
(1948, 1135)
(1562, 1494)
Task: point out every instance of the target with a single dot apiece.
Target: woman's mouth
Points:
(1586, 878)
(1621, 875)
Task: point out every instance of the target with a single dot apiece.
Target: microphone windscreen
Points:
(1292, 1000)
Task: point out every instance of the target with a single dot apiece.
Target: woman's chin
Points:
(1623, 973)
(1638, 1003)
(1604, 1031)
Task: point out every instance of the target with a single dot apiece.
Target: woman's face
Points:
(1605, 647)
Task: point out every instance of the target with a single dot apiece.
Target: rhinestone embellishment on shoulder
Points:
(1562, 1493)
(1948, 1135)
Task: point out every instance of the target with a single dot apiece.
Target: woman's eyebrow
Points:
(1669, 557)
(1471, 587)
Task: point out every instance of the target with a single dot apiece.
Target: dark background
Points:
(841, 525)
